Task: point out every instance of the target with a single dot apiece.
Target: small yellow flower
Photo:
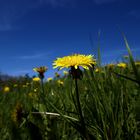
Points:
(137, 63)
(122, 65)
(27, 84)
(65, 72)
(110, 66)
(6, 89)
(24, 86)
(75, 61)
(36, 79)
(49, 79)
(60, 82)
(15, 85)
(97, 70)
(30, 94)
(35, 90)
(42, 69)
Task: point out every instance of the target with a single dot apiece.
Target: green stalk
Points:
(78, 102)
(99, 52)
(55, 114)
(85, 135)
(132, 61)
(138, 82)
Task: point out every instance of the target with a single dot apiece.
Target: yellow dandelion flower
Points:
(110, 66)
(97, 70)
(42, 69)
(36, 79)
(75, 61)
(49, 79)
(137, 63)
(122, 65)
(6, 89)
(60, 82)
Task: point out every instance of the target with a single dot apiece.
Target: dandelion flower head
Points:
(122, 65)
(6, 89)
(36, 79)
(75, 61)
(42, 69)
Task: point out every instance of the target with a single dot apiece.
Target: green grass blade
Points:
(131, 59)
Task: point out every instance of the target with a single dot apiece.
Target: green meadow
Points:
(102, 103)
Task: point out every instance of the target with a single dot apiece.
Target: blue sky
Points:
(35, 32)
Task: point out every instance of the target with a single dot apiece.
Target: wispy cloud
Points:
(55, 3)
(33, 56)
(120, 52)
(5, 27)
(64, 2)
(134, 13)
(36, 56)
(103, 1)
(12, 10)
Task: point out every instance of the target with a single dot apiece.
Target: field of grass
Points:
(103, 104)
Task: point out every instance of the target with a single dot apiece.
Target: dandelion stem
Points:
(42, 86)
(78, 101)
(80, 112)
